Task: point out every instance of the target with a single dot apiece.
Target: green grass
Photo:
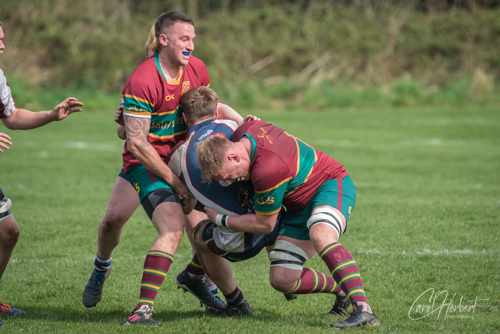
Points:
(428, 182)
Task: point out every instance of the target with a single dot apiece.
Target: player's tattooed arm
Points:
(137, 129)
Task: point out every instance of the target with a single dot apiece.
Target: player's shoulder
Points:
(196, 65)
(144, 72)
(196, 62)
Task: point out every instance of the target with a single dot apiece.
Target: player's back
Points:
(282, 160)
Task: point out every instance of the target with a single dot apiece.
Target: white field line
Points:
(439, 252)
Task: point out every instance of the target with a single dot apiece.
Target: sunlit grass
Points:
(426, 217)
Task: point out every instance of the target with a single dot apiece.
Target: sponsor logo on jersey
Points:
(265, 201)
(170, 97)
(162, 125)
(203, 136)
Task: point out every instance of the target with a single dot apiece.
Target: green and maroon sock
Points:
(312, 281)
(194, 268)
(345, 271)
(155, 270)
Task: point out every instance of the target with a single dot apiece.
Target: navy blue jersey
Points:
(235, 199)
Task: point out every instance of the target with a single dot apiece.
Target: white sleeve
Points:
(7, 104)
(176, 159)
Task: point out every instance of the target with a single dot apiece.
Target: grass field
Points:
(427, 217)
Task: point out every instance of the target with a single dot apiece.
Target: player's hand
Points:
(119, 115)
(211, 213)
(249, 118)
(66, 107)
(181, 189)
(4, 141)
(188, 205)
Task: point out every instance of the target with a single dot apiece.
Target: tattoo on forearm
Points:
(138, 128)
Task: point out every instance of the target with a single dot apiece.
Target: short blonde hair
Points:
(211, 153)
(199, 103)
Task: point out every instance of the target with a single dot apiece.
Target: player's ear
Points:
(163, 39)
(233, 157)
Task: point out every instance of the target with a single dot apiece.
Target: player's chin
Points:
(183, 62)
(184, 59)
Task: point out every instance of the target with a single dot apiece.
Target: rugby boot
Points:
(9, 310)
(358, 318)
(240, 310)
(290, 296)
(93, 290)
(212, 311)
(340, 308)
(143, 316)
(199, 288)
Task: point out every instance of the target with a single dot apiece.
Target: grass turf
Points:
(426, 218)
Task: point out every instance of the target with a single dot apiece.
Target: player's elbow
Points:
(9, 124)
(265, 226)
(267, 229)
(120, 132)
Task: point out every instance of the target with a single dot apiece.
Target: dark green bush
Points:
(312, 53)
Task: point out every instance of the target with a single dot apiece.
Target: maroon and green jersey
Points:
(147, 94)
(284, 169)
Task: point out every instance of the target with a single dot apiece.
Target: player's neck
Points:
(170, 71)
(245, 145)
(199, 121)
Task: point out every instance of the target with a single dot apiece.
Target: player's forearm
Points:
(226, 112)
(251, 223)
(149, 158)
(23, 119)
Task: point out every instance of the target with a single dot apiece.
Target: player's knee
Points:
(176, 234)
(198, 238)
(10, 232)
(282, 283)
(112, 221)
(287, 259)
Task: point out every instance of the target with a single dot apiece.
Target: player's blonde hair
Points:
(152, 43)
(211, 153)
(199, 103)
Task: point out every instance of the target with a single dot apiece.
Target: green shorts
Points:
(339, 194)
(144, 181)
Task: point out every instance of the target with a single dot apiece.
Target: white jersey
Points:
(7, 103)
